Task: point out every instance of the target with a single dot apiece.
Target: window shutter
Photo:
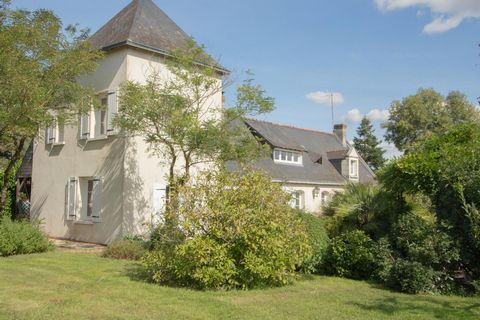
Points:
(72, 198)
(60, 133)
(97, 199)
(51, 134)
(112, 111)
(159, 198)
(85, 126)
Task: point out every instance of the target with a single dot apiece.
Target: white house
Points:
(92, 183)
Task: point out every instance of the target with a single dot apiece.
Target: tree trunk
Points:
(8, 170)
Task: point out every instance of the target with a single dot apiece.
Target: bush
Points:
(319, 242)
(413, 277)
(21, 237)
(384, 260)
(351, 255)
(125, 249)
(234, 230)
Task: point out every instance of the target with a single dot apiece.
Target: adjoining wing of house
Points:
(92, 183)
(311, 164)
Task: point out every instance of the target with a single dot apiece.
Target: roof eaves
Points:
(138, 45)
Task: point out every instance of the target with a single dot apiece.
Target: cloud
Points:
(390, 150)
(378, 115)
(355, 115)
(448, 14)
(321, 97)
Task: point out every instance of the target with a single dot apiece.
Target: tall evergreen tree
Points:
(368, 145)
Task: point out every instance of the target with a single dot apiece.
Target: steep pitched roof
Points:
(318, 149)
(144, 25)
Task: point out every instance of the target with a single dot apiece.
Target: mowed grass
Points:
(60, 285)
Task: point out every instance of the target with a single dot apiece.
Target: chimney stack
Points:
(340, 130)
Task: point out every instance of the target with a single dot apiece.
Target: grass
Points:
(60, 285)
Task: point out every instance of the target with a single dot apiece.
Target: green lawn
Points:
(60, 285)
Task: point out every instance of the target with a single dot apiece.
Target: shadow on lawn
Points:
(137, 272)
(424, 305)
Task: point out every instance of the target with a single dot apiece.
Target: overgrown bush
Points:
(128, 249)
(351, 255)
(413, 277)
(21, 237)
(319, 241)
(234, 230)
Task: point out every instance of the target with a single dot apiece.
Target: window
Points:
(353, 167)
(84, 199)
(286, 156)
(55, 133)
(297, 201)
(98, 124)
(325, 197)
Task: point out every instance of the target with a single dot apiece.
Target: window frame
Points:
(282, 156)
(354, 173)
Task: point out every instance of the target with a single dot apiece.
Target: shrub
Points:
(238, 231)
(21, 237)
(351, 255)
(125, 249)
(384, 260)
(413, 277)
(319, 242)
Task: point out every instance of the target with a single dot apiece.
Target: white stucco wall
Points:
(311, 203)
(54, 165)
(145, 170)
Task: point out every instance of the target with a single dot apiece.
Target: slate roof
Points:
(25, 170)
(144, 25)
(317, 149)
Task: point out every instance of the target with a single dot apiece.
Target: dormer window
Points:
(287, 156)
(354, 168)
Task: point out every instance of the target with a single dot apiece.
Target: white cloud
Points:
(321, 97)
(353, 116)
(378, 115)
(448, 14)
(390, 150)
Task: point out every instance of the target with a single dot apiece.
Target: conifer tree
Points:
(368, 146)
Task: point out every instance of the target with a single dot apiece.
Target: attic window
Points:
(353, 168)
(287, 156)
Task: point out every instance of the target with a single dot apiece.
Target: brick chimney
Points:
(340, 130)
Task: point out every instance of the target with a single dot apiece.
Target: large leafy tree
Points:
(425, 113)
(446, 168)
(39, 67)
(368, 145)
(183, 121)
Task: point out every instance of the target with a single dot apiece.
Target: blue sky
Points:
(370, 52)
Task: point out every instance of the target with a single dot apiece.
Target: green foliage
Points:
(361, 206)
(413, 277)
(446, 168)
(234, 230)
(9, 207)
(368, 146)
(125, 249)
(40, 65)
(21, 237)
(384, 261)
(182, 116)
(319, 242)
(426, 113)
(351, 255)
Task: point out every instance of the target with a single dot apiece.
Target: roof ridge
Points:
(130, 28)
(291, 126)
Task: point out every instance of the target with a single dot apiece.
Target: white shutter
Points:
(85, 126)
(51, 134)
(112, 111)
(159, 198)
(72, 198)
(97, 199)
